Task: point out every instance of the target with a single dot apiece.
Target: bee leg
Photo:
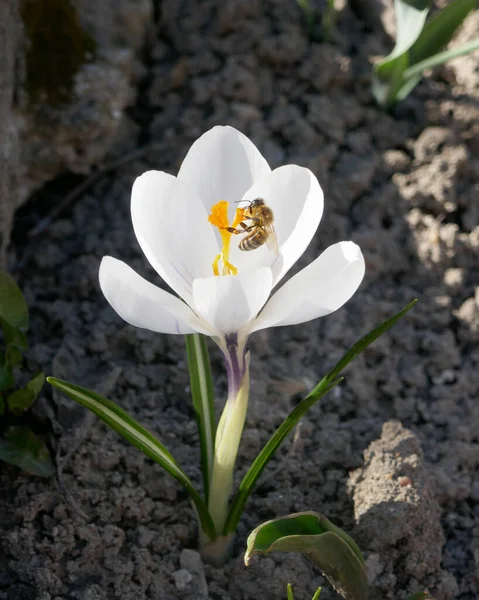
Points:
(244, 230)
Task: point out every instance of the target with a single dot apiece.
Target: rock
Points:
(9, 144)
(398, 519)
(190, 579)
(61, 110)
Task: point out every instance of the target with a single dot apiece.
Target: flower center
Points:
(219, 218)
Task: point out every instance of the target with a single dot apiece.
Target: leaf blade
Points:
(440, 58)
(203, 401)
(439, 30)
(22, 448)
(13, 307)
(121, 422)
(246, 486)
(327, 383)
(311, 534)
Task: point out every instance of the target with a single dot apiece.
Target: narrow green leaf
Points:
(316, 595)
(419, 596)
(22, 448)
(330, 548)
(329, 19)
(361, 345)
(439, 30)
(309, 14)
(203, 401)
(289, 590)
(2, 405)
(121, 422)
(440, 58)
(36, 383)
(246, 486)
(324, 386)
(13, 307)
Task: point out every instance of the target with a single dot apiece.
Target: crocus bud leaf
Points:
(328, 546)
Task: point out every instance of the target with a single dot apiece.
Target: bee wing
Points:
(271, 239)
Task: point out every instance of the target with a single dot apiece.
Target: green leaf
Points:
(13, 308)
(328, 546)
(13, 356)
(387, 76)
(419, 596)
(361, 345)
(35, 384)
(316, 595)
(203, 401)
(246, 486)
(440, 58)
(309, 14)
(329, 19)
(440, 28)
(12, 336)
(410, 19)
(121, 422)
(2, 406)
(396, 76)
(326, 384)
(22, 448)
(289, 591)
(20, 400)
(6, 378)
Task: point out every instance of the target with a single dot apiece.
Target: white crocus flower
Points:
(171, 221)
(181, 224)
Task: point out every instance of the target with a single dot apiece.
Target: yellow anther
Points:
(219, 218)
(219, 215)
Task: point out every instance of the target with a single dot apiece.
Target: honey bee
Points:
(258, 225)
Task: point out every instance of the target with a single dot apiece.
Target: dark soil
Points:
(405, 188)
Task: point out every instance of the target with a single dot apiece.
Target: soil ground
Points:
(405, 188)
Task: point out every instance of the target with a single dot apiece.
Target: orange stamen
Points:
(219, 218)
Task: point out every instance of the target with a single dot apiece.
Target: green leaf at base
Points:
(121, 422)
(21, 447)
(326, 384)
(330, 548)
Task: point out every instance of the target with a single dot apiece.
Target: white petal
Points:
(228, 302)
(143, 304)
(222, 165)
(172, 228)
(319, 289)
(296, 198)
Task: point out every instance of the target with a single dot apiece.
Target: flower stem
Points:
(228, 434)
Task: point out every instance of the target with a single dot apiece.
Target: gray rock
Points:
(66, 119)
(397, 515)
